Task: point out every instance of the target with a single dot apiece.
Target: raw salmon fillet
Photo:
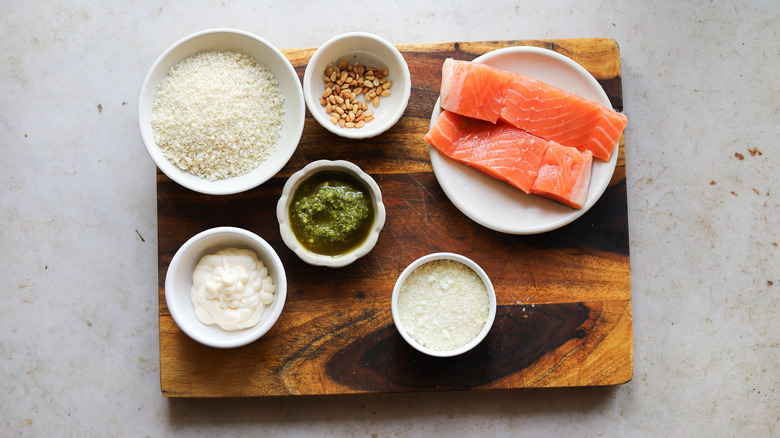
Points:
(499, 150)
(564, 175)
(473, 90)
(563, 117)
(510, 154)
(531, 105)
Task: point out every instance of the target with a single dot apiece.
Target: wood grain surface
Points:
(564, 314)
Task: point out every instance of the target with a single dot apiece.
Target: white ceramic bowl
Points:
(369, 50)
(444, 256)
(178, 282)
(264, 53)
(282, 209)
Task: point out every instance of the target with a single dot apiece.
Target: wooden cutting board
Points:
(564, 297)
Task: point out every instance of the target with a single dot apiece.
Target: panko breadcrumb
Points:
(218, 114)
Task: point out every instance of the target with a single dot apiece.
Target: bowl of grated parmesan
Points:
(221, 111)
(443, 304)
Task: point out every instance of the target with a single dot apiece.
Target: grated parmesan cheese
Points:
(218, 114)
(443, 304)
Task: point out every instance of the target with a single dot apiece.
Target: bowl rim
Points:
(238, 338)
(284, 222)
(492, 306)
(313, 102)
(226, 186)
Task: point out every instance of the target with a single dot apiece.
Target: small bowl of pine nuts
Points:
(357, 85)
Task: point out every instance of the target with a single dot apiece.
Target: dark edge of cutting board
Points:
(564, 315)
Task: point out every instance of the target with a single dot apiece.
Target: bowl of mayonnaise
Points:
(225, 287)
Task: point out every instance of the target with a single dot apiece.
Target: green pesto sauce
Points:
(331, 213)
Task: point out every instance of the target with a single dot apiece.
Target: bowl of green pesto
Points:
(330, 213)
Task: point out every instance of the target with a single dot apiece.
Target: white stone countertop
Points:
(78, 233)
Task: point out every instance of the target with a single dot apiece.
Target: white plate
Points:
(497, 205)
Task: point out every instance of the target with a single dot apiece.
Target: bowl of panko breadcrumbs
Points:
(221, 111)
(357, 85)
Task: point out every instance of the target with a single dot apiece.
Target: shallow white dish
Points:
(288, 236)
(497, 205)
(178, 282)
(370, 50)
(443, 256)
(263, 53)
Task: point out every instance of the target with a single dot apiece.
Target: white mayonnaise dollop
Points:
(231, 288)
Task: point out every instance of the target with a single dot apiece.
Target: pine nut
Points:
(344, 83)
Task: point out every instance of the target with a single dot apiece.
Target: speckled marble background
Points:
(78, 320)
